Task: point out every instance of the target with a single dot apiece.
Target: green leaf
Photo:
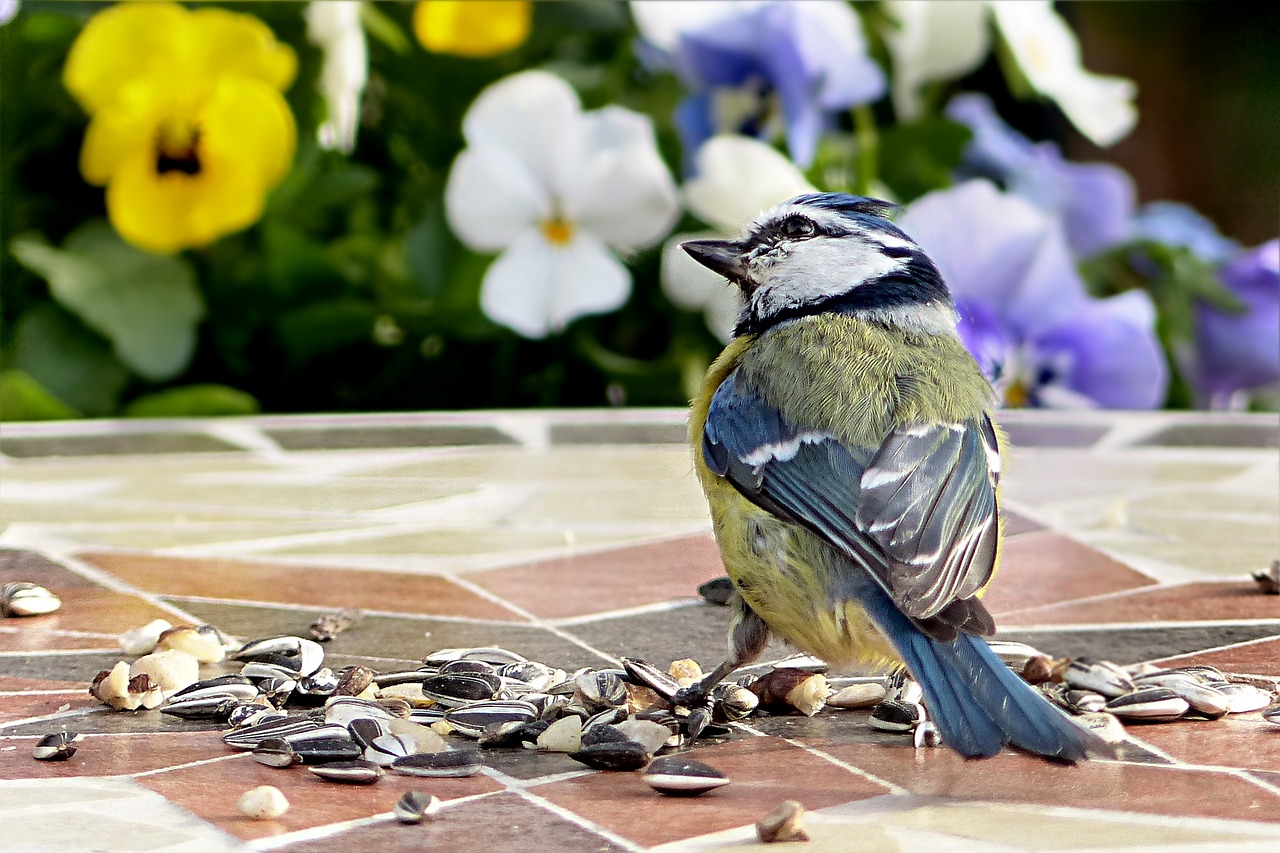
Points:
(146, 305)
(72, 362)
(324, 326)
(920, 157)
(384, 29)
(193, 401)
(426, 252)
(22, 398)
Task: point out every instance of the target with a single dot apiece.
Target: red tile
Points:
(19, 564)
(764, 771)
(36, 639)
(499, 822)
(1017, 778)
(1184, 602)
(607, 580)
(1048, 568)
(1019, 525)
(212, 791)
(429, 595)
(91, 610)
(9, 682)
(22, 707)
(1243, 741)
(1259, 658)
(111, 755)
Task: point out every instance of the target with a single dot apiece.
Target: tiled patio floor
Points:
(575, 538)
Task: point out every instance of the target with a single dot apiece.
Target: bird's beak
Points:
(723, 257)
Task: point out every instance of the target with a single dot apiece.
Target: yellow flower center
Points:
(177, 148)
(557, 231)
(1016, 396)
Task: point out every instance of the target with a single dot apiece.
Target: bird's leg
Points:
(747, 638)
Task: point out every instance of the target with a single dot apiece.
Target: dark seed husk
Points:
(234, 685)
(471, 720)
(1149, 705)
(473, 667)
(894, 716)
(58, 746)
(250, 736)
(717, 590)
(602, 734)
(454, 762)
(204, 706)
(365, 729)
(453, 689)
(327, 750)
(623, 755)
(678, 776)
(502, 734)
(415, 805)
(276, 752)
(647, 675)
(350, 772)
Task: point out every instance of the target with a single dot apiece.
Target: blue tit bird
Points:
(845, 443)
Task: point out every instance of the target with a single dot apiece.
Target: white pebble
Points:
(263, 803)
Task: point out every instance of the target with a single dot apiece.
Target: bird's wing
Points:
(918, 512)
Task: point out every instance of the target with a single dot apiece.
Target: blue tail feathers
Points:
(977, 702)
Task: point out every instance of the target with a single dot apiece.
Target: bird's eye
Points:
(797, 228)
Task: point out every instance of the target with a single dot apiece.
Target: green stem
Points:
(868, 150)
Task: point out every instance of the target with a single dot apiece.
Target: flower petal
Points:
(533, 115)
(249, 122)
(467, 28)
(693, 287)
(622, 191)
(1242, 350)
(736, 178)
(491, 198)
(1106, 353)
(1048, 54)
(662, 21)
(335, 26)
(97, 67)
(536, 288)
(219, 43)
(933, 41)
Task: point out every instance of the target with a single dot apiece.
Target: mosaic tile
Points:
(621, 433)
(1217, 435)
(1181, 603)
(628, 464)
(361, 436)
(300, 496)
(1052, 435)
(479, 547)
(88, 716)
(1262, 658)
(108, 443)
(114, 755)
(17, 564)
(96, 611)
(297, 585)
(761, 769)
(1015, 778)
(625, 504)
(1245, 741)
(212, 790)
(1043, 477)
(62, 666)
(1046, 568)
(1236, 548)
(1131, 645)
(500, 822)
(106, 815)
(21, 707)
(608, 580)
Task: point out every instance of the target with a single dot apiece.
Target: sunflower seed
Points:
(564, 735)
(207, 706)
(415, 805)
(471, 720)
(488, 654)
(276, 752)
(58, 746)
(473, 667)
(453, 689)
(350, 772)
(302, 657)
(387, 748)
(894, 716)
(652, 736)
(926, 735)
(249, 737)
(1242, 698)
(678, 776)
(1272, 714)
(1083, 701)
(1149, 705)
(1099, 676)
(319, 685)
(331, 625)
(325, 750)
(623, 755)
(365, 729)
(353, 681)
(535, 675)
(865, 695)
(602, 688)
(27, 599)
(455, 762)
(1204, 700)
(341, 710)
(784, 823)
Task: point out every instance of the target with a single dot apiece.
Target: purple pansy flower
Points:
(1239, 351)
(1024, 312)
(1094, 200)
(755, 68)
(1176, 224)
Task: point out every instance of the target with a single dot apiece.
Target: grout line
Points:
(1227, 647)
(320, 608)
(1250, 776)
(57, 632)
(1139, 626)
(578, 820)
(64, 692)
(844, 765)
(640, 610)
(546, 780)
(49, 718)
(111, 582)
(58, 653)
(198, 763)
(1088, 599)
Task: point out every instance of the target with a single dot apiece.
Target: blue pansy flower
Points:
(761, 68)
(1176, 224)
(1094, 200)
(1238, 351)
(1024, 311)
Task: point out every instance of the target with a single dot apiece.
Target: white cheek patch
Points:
(817, 269)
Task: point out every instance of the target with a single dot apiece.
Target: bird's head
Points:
(830, 252)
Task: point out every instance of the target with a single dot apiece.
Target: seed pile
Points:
(355, 725)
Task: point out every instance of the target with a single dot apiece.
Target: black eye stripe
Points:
(897, 251)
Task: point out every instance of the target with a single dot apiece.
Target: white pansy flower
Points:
(736, 178)
(933, 41)
(557, 191)
(1048, 54)
(334, 25)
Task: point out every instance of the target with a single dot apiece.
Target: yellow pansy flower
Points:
(188, 128)
(469, 28)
